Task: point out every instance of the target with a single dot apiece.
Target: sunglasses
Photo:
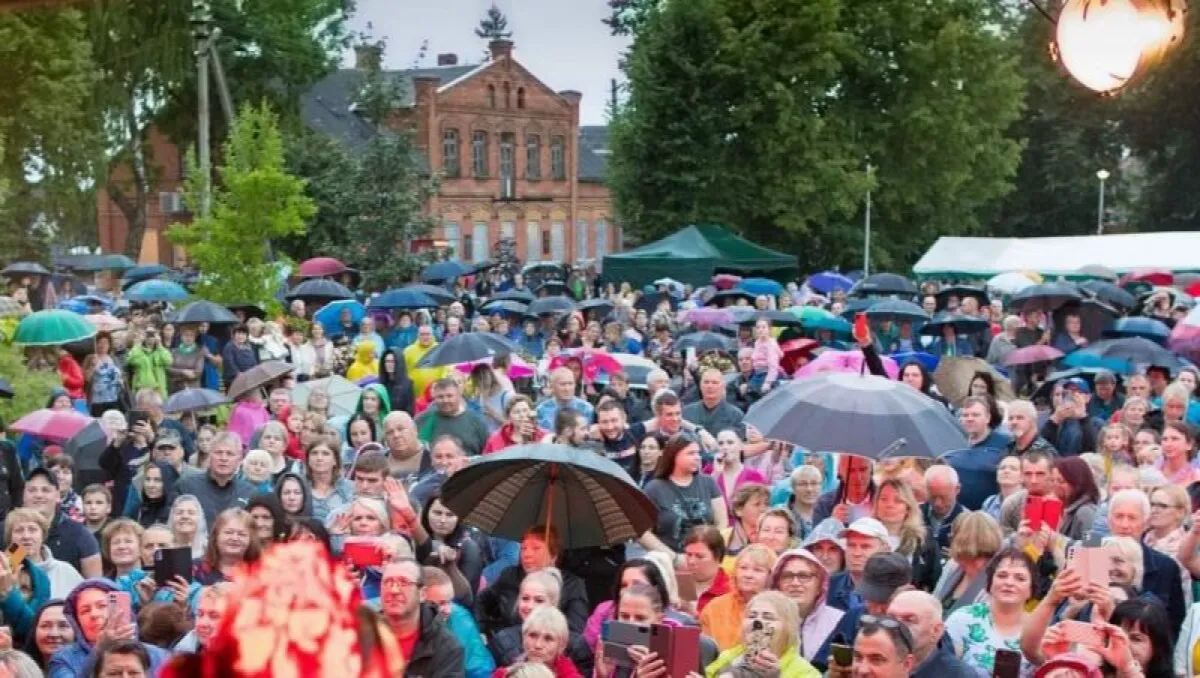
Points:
(892, 626)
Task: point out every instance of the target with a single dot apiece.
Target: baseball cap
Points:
(868, 527)
(45, 473)
(1079, 384)
(168, 438)
(883, 574)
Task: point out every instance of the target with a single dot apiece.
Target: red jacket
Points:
(72, 376)
(563, 668)
(502, 439)
(720, 586)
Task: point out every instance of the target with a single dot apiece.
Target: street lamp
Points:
(1103, 176)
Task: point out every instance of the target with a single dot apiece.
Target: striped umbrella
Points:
(587, 499)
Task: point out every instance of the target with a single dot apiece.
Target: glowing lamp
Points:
(1104, 44)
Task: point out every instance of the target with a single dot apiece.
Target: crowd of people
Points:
(789, 562)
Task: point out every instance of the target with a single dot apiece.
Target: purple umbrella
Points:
(848, 362)
(829, 281)
(1032, 354)
(706, 316)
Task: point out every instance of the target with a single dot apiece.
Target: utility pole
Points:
(867, 226)
(1103, 176)
(202, 33)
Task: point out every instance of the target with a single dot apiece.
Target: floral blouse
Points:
(976, 639)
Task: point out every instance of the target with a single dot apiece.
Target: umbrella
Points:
(761, 286)
(402, 298)
(704, 342)
(444, 271)
(953, 379)
(319, 289)
(1099, 272)
(106, 262)
(706, 316)
(961, 291)
(1153, 276)
(193, 400)
(849, 362)
(23, 268)
(54, 425)
(589, 500)
(517, 368)
(85, 448)
(962, 323)
(138, 273)
(744, 315)
(600, 305)
(636, 367)
(896, 310)
(330, 315)
(74, 306)
(728, 297)
(551, 287)
(257, 376)
(467, 347)
(551, 306)
(543, 268)
(439, 294)
(867, 416)
(1124, 356)
(6, 389)
(594, 362)
(90, 299)
(52, 328)
(514, 295)
(1009, 283)
(319, 267)
(10, 308)
(203, 312)
(885, 283)
(1088, 373)
(156, 290)
(829, 281)
(1148, 328)
(856, 305)
(504, 306)
(794, 350)
(343, 394)
(725, 281)
(673, 286)
(928, 360)
(1029, 355)
(1045, 297)
(249, 310)
(1108, 293)
(815, 318)
(105, 322)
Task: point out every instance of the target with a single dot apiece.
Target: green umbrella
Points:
(52, 328)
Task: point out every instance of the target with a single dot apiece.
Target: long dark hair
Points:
(1079, 476)
(454, 537)
(1150, 617)
(400, 376)
(652, 574)
(31, 647)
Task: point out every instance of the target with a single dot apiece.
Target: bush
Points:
(32, 388)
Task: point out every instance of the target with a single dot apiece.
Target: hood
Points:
(306, 510)
(54, 394)
(271, 502)
(384, 399)
(30, 647)
(365, 353)
(401, 375)
(169, 476)
(792, 554)
(106, 585)
(829, 529)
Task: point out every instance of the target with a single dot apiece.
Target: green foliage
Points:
(329, 171)
(255, 201)
(493, 26)
(32, 387)
(628, 16)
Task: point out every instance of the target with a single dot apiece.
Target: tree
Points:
(329, 171)
(628, 16)
(255, 201)
(493, 26)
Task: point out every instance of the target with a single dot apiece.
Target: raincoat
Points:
(365, 364)
(818, 626)
(77, 659)
(149, 367)
(18, 610)
(423, 377)
(385, 405)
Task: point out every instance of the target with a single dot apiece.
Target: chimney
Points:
(573, 97)
(368, 57)
(447, 60)
(500, 49)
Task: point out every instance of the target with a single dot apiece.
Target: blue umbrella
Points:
(74, 306)
(927, 360)
(157, 290)
(757, 286)
(1147, 328)
(330, 315)
(139, 273)
(402, 298)
(962, 323)
(1124, 356)
(829, 281)
(94, 299)
(444, 270)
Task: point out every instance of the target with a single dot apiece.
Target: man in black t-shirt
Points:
(619, 443)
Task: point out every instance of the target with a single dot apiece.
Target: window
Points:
(601, 238)
(507, 95)
(558, 158)
(479, 154)
(520, 97)
(480, 242)
(558, 250)
(532, 239)
(547, 248)
(508, 163)
(581, 243)
(468, 246)
(450, 153)
(533, 157)
(451, 229)
(492, 96)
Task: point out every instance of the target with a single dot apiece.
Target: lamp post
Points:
(1103, 176)
(867, 228)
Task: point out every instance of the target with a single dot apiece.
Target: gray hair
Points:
(1134, 496)
(942, 471)
(19, 664)
(1131, 551)
(1024, 407)
(227, 438)
(200, 539)
(547, 619)
(807, 470)
(1013, 322)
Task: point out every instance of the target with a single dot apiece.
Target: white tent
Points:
(1176, 251)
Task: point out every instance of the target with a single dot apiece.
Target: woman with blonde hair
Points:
(974, 538)
(1169, 508)
(775, 611)
(541, 589)
(895, 507)
(1127, 561)
(188, 526)
(722, 618)
(233, 543)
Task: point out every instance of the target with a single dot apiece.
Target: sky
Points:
(562, 42)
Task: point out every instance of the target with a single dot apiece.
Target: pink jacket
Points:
(245, 419)
(765, 358)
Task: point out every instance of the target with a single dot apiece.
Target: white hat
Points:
(869, 527)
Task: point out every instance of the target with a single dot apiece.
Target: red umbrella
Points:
(795, 350)
(1153, 276)
(726, 281)
(54, 425)
(319, 267)
(1193, 290)
(1032, 354)
(594, 362)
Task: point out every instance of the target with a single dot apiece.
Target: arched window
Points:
(520, 97)
(492, 96)
(533, 157)
(450, 166)
(479, 154)
(507, 95)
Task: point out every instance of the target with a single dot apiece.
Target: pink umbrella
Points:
(105, 322)
(594, 362)
(517, 368)
(54, 425)
(725, 281)
(1032, 354)
(850, 362)
(706, 316)
(1185, 337)
(319, 267)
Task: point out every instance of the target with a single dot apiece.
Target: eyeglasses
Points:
(397, 583)
(802, 577)
(894, 628)
(1161, 506)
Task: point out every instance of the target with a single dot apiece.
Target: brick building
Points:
(514, 159)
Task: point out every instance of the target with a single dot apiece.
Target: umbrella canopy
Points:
(829, 281)
(1108, 293)
(257, 376)
(598, 305)
(52, 328)
(705, 341)
(444, 271)
(521, 296)
(552, 287)
(330, 316)
(927, 360)
(23, 268)
(517, 368)
(1147, 328)
(728, 297)
(439, 294)
(953, 379)
(1124, 356)
(589, 500)
(885, 283)
(467, 347)
(343, 394)
(10, 308)
(156, 290)
(106, 262)
(1099, 272)
(706, 316)
(54, 425)
(1038, 353)
(896, 310)
(848, 362)
(867, 416)
(138, 273)
(962, 323)
(795, 350)
(193, 400)
(551, 306)
(319, 289)
(319, 267)
(761, 286)
(962, 292)
(1009, 283)
(249, 310)
(203, 312)
(594, 363)
(636, 367)
(725, 281)
(815, 318)
(743, 315)
(1152, 276)
(85, 448)
(505, 306)
(1045, 297)
(401, 298)
(105, 322)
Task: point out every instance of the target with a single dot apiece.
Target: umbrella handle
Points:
(550, 501)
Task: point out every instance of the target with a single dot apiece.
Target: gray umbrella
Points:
(193, 400)
(85, 448)
(866, 416)
(588, 499)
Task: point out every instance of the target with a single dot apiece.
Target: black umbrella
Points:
(589, 500)
(551, 306)
(1108, 293)
(193, 400)
(248, 309)
(203, 312)
(21, 268)
(603, 306)
(705, 341)
(552, 287)
(728, 297)
(897, 310)
(777, 318)
(319, 289)
(1045, 297)
(885, 283)
(6, 389)
(961, 291)
(513, 295)
(867, 416)
(440, 294)
(85, 449)
(504, 306)
(1124, 355)
(468, 347)
(257, 376)
(962, 323)
(856, 305)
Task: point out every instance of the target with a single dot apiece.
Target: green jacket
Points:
(149, 368)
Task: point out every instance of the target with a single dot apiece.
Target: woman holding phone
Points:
(95, 608)
(769, 641)
(519, 428)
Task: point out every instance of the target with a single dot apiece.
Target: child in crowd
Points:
(97, 507)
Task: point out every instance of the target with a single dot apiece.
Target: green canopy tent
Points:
(696, 253)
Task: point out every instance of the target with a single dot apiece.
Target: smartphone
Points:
(1033, 512)
(120, 610)
(1083, 633)
(362, 552)
(1052, 511)
(16, 556)
(136, 416)
(1092, 563)
(1008, 664)
(618, 637)
(860, 325)
(171, 563)
(759, 639)
(843, 655)
(678, 647)
(686, 582)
